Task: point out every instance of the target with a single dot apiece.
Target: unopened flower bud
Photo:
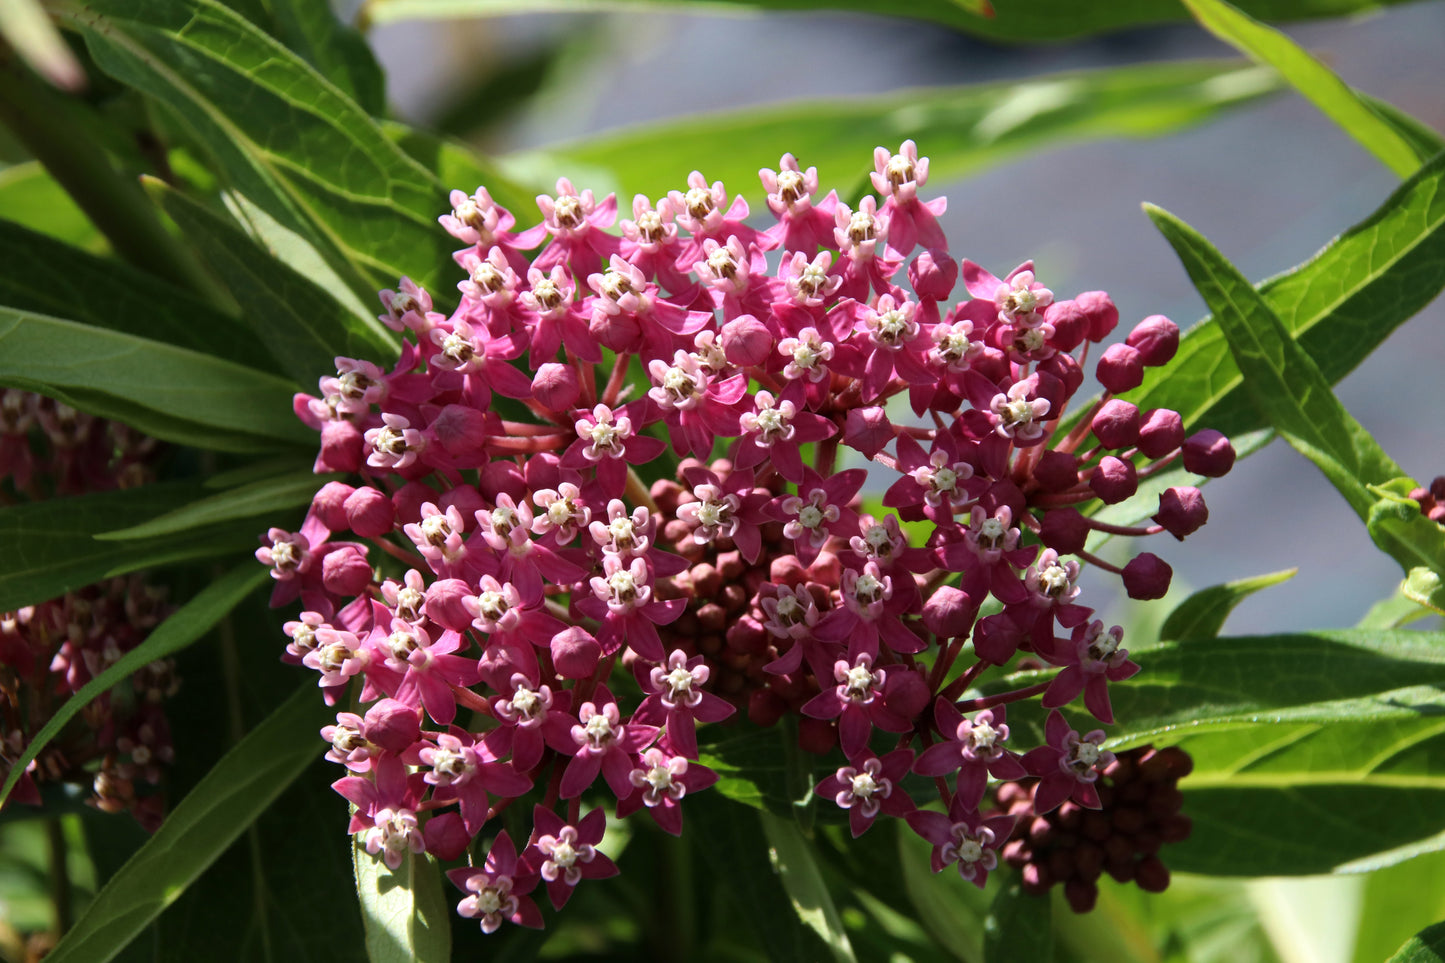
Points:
(746, 341)
(341, 447)
(1156, 338)
(868, 430)
(1182, 511)
(466, 499)
(392, 725)
(1099, 308)
(1147, 577)
(787, 570)
(1208, 453)
(1120, 369)
(906, 693)
(555, 386)
(1056, 471)
(1114, 480)
(444, 604)
(575, 653)
(328, 504)
(1070, 324)
(345, 571)
(949, 612)
(765, 708)
(1161, 431)
(1064, 530)
(408, 500)
(369, 513)
(933, 276)
(1117, 424)
(446, 836)
(460, 429)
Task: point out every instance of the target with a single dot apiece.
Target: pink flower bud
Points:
(575, 653)
(467, 500)
(1056, 471)
(392, 725)
(1161, 432)
(341, 447)
(369, 513)
(1064, 530)
(1100, 310)
(996, 638)
(1147, 577)
(1208, 453)
(444, 604)
(446, 836)
(906, 693)
(1114, 480)
(408, 500)
(460, 429)
(1065, 369)
(328, 504)
(746, 341)
(1156, 338)
(1120, 369)
(933, 277)
(765, 708)
(1182, 511)
(555, 386)
(1070, 324)
(747, 635)
(949, 612)
(1117, 424)
(503, 478)
(345, 571)
(868, 430)
(994, 365)
(786, 570)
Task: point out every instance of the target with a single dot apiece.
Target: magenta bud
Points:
(408, 500)
(1064, 530)
(392, 725)
(906, 693)
(993, 364)
(575, 653)
(503, 477)
(746, 341)
(1114, 480)
(786, 570)
(1147, 577)
(1065, 368)
(1056, 471)
(996, 638)
(1070, 324)
(1099, 308)
(466, 498)
(1208, 453)
(949, 612)
(341, 445)
(446, 836)
(460, 429)
(328, 505)
(1182, 511)
(345, 571)
(369, 513)
(1117, 424)
(868, 430)
(1161, 432)
(933, 276)
(1120, 369)
(444, 604)
(555, 386)
(1156, 338)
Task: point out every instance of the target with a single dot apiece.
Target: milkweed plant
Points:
(691, 568)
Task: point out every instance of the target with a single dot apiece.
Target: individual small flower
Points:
(676, 699)
(460, 769)
(857, 703)
(1068, 766)
(869, 786)
(964, 838)
(604, 743)
(819, 510)
(497, 891)
(564, 855)
(395, 445)
(1091, 660)
(660, 783)
(975, 748)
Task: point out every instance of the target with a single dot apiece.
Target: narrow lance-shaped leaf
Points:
(1018, 926)
(1311, 78)
(259, 499)
(183, 627)
(30, 197)
(404, 910)
(211, 817)
(1202, 615)
(1427, 946)
(806, 888)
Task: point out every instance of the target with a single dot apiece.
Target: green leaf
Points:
(1018, 926)
(183, 627)
(1339, 306)
(50, 546)
(1311, 78)
(459, 167)
(257, 500)
(1295, 396)
(1202, 615)
(805, 886)
(303, 326)
(337, 50)
(1427, 946)
(1423, 139)
(30, 197)
(279, 133)
(404, 910)
(1398, 900)
(211, 817)
(151, 386)
(1030, 22)
(49, 277)
(1425, 587)
(1400, 608)
(964, 129)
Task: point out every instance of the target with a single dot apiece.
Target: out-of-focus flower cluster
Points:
(556, 620)
(119, 746)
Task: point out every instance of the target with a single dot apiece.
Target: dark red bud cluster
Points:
(1432, 500)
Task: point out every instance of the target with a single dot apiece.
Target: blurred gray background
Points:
(1268, 183)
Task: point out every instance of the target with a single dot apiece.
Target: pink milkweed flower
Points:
(868, 612)
(802, 225)
(530, 718)
(395, 445)
(554, 318)
(624, 603)
(819, 510)
(705, 213)
(857, 703)
(1068, 767)
(726, 508)
(578, 224)
(563, 513)
(428, 670)
(497, 891)
(697, 406)
(438, 536)
(356, 386)
(675, 698)
(564, 855)
(662, 779)
(482, 222)
(868, 786)
(890, 335)
(975, 748)
(604, 743)
(964, 838)
(650, 243)
(1091, 659)
(776, 428)
(462, 768)
(941, 481)
(385, 810)
(627, 535)
(406, 599)
(408, 307)
(606, 440)
(1018, 414)
(911, 220)
(492, 283)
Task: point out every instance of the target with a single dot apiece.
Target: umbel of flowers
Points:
(562, 628)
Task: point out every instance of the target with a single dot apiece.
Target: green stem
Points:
(60, 888)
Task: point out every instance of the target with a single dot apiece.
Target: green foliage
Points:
(1427, 946)
(1018, 926)
(1202, 615)
(259, 500)
(405, 912)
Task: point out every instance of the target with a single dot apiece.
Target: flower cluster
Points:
(763, 379)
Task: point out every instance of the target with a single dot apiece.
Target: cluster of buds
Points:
(761, 378)
(1138, 812)
(1432, 500)
(48, 448)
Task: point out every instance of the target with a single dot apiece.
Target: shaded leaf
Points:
(404, 910)
(1202, 615)
(458, 167)
(805, 886)
(30, 197)
(1018, 926)
(183, 627)
(211, 817)
(258, 499)
(1311, 78)
(962, 128)
(1397, 900)
(337, 50)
